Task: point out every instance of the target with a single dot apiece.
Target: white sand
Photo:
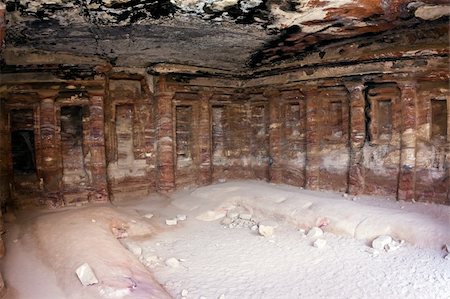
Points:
(233, 262)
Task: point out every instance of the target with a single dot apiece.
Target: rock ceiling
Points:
(230, 35)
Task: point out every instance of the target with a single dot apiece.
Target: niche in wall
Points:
(184, 120)
(384, 113)
(22, 142)
(439, 119)
(335, 120)
(218, 136)
(72, 136)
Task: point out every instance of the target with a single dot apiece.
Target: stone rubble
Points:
(315, 232)
(86, 275)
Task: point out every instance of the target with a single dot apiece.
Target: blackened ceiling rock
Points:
(220, 34)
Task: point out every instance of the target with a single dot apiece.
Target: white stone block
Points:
(173, 221)
(86, 275)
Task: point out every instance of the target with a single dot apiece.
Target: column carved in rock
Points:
(165, 138)
(357, 137)
(97, 150)
(275, 135)
(204, 130)
(313, 159)
(406, 184)
(51, 168)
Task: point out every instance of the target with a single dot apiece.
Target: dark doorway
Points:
(25, 187)
(22, 142)
(23, 152)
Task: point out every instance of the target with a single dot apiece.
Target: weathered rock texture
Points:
(332, 95)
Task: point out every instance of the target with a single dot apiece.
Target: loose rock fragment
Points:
(315, 232)
(173, 221)
(320, 243)
(86, 275)
(447, 257)
(381, 242)
(173, 262)
(148, 216)
(181, 217)
(267, 228)
(184, 293)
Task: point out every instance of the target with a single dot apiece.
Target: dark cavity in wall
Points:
(22, 142)
(439, 116)
(367, 115)
(184, 134)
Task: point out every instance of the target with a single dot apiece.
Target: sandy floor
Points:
(231, 261)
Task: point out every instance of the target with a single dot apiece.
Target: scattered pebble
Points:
(254, 228)
(447, 257)
(173, 221)
(93, 220)
(320, 243)
(184, 293)
(133, 221)
(222, 296)
(315, 232)
(172, 262)
(345, 195)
